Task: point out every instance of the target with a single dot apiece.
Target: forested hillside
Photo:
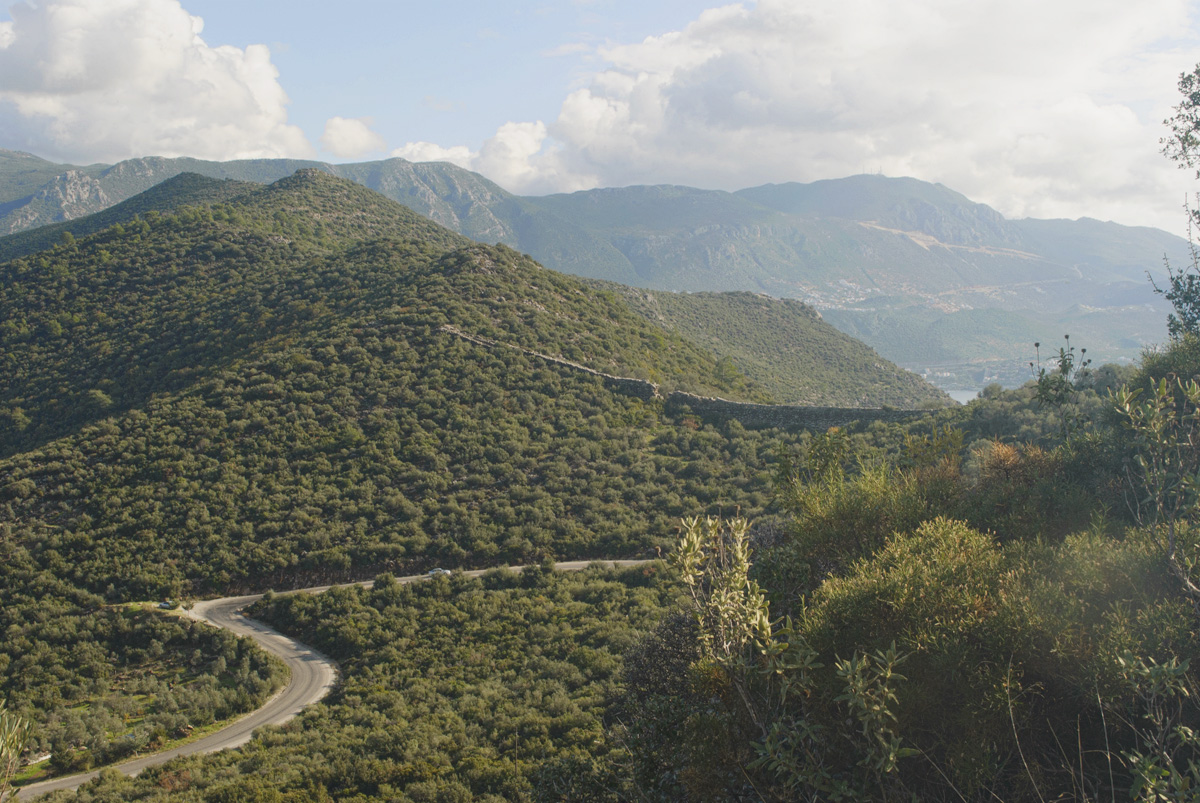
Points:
(276, 390)
(456, 689)
(276, 387)
(887, 257)
(310, 384)
(783, 346)
(948, 610)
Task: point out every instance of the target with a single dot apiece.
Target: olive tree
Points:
(1182, 146)
(14, 736)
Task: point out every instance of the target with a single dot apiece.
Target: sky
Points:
(1039, 108)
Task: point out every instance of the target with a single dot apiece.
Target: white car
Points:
(438, 572)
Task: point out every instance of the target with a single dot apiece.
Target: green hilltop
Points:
(784, 346)
(202, 287)
(305, 383)
(310, 378)
(309, 383)
(860, 247)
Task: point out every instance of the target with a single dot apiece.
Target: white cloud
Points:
(513, 157)
(460, 155)
(350, 138)
(1042, 109)
(103, 81)
(518, 157)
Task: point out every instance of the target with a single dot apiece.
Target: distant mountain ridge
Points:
(905, 204)
(863, 249)
(189, 275)
(309, 378)
(185, 189)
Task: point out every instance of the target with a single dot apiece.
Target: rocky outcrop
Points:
(69, 196)
(77, 195)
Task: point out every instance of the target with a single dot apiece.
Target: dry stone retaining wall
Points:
(711, 409)
(783, 416)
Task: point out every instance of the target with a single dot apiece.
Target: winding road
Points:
(313, 676)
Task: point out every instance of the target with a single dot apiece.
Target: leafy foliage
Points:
(1181, 147)
(1183, 291)
(969, 618)
(14, 735)
(1164, 764)
(785, 347)
(454, 689)
(1183, 144)
(1004, 648)
(1057, 386)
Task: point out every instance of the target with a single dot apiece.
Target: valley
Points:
(301, 384)
(214, 388)
(962, 291)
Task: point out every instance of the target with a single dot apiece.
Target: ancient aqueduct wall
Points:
(715, 410)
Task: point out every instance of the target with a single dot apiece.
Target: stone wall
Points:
(625, 385)
(716, 410)
(783, 416)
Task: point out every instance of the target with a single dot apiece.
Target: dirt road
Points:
(312, 677)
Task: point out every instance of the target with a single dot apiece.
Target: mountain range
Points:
(233, 387)
(218, 386)
(308, 381)
(933, 281)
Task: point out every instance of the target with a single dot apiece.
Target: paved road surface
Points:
(312, 677)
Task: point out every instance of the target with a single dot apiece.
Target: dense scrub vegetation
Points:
(980, 608)
(365, 454)
(105, 682)
(99, 326)
(308, 415)
(1006, 621)
(271, 392)
(455, 689)
(784, 346)
(983, 604)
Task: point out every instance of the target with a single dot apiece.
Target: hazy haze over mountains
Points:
(932, 280)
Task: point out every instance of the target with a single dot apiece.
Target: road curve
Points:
(313, 676)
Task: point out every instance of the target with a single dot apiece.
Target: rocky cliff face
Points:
(71, 195)
(457, 199)
(957, 224)
(77, 195)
